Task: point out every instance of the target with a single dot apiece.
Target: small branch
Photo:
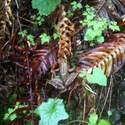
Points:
(101, 6)
(24, 19)
(74, 121)
(106, 98)
(18, 15)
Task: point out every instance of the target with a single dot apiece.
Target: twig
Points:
(70, 94)
(18, 15)
(79, 30)
(24, 19)
(103, 3)
(106, 98)
(81, 121)
(17, 4)
(110, 97)
(99, 98)
(84, 109)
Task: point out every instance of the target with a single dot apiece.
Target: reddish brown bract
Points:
(66, 29)
(43, 60)
(40, 60)
(110, 56)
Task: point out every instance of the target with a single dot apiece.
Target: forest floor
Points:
(49, 49)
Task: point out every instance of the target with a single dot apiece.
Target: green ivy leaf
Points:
(44, 38)
(82, 73)
(89, 35)
(100, 39)
(97, 77)
(10, 110)
(55, 36)
(51, 112)
(75, 5)
(103, 122)
(30, 38)
(12, 117)
(113, 26)
(109, 112)
(45, 7)
(70, 13)
(93, 119)
(79, 5)
(22, 33)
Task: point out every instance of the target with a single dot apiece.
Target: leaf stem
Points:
(81, 121)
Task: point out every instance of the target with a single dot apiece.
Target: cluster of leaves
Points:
(38, 19)
(29, 37)
(93, 120)
(44, 38)
(11, 114)
(96, 26)
(74, 6)
(96, 77)
(45, 7)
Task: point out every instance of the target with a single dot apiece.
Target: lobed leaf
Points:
(51, 112)
(45, 7)
(97, 77)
